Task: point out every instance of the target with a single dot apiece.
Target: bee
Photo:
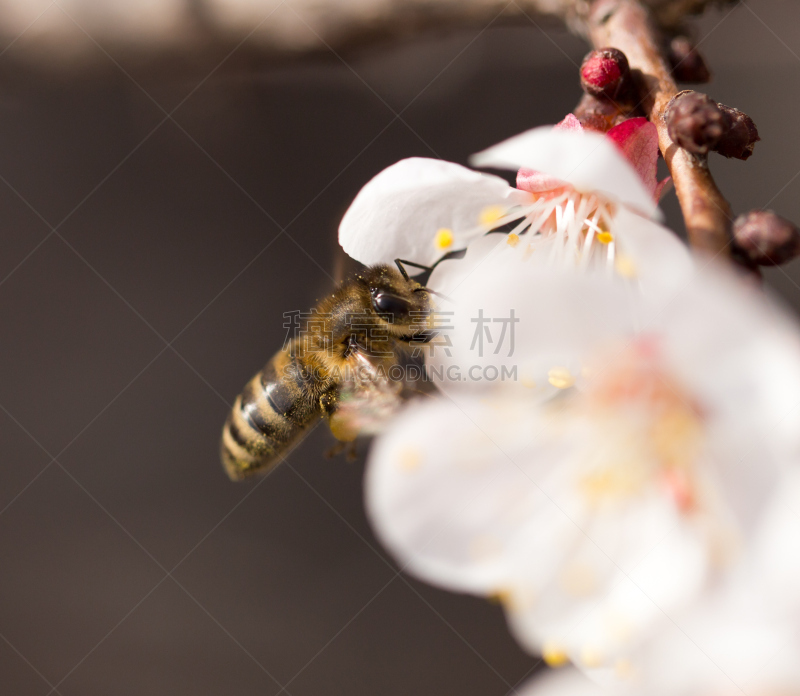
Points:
(338, 366)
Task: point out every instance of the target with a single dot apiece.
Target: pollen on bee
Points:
(605, 237)
(560, 377)
(491, 214)
(443, 238)
(512, 240)
(554, 655)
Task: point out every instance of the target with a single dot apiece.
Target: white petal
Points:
(777, 548)
(623, 573)
(398, 213)
(451, 273)
(660, 262)
(562, 682)
(723, 644)
(738, 354)
(588, 161)
(559, 317)
(452, 491)
(486, 496)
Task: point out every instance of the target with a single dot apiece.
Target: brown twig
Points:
(627, 25)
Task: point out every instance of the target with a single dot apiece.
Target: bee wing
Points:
(371, 394)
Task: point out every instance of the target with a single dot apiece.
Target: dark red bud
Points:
(597, 114)
(605, 73)
(765, 238)
(740, 135)
(687, 63)
(695, 122)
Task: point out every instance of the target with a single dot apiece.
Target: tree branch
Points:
(628, 26)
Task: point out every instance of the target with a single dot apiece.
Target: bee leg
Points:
(336, 450)
(352, 451)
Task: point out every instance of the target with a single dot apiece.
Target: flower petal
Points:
(570, 122)
(490, 496)
(659, 260)
(777, 556)
(588, 161)
(637, 138)
(513, 322)
(399, 212)
(538, 182)
(739, 354)
(455, 508)
(727, 642)
(563, 682)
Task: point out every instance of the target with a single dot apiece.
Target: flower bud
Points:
(695, 122)
(740, 135)
(598, 114)
(765, 238)
(687, 63)
(605, 73)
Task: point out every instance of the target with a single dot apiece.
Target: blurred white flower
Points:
(596, 514)
(717, 653)
(734, 639)
(583, 199)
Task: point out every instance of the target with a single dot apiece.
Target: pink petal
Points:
(537, 182)
(638, 140)
(570, 123)
(662, 187)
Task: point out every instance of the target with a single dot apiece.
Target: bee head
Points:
(403, 304)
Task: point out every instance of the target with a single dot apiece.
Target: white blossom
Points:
(595, 514)
(586, 206)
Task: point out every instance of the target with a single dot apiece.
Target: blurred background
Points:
(161, 208)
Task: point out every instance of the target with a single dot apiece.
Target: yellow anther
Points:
(491, 214)
(512, 240)
(560, 377)
(554, 655)
(578, 580)
(614, 481)
(500, 596)
(444, 238)
(625, 266)
(410, 459)
(605, 237)
(623, 669)
(528, 382)
(591, 657)
(619, 627)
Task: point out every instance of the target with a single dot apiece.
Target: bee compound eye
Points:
(386, 303)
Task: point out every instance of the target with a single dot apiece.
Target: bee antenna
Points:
(434, 292)
(401, 263)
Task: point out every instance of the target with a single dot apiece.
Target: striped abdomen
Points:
(268, 417)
